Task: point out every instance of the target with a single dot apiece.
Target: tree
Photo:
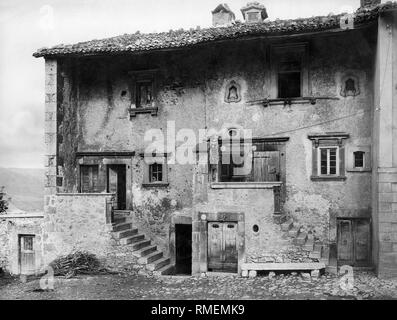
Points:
(3, 201)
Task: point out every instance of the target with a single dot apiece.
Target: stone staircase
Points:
(150, 260)
(316, 250)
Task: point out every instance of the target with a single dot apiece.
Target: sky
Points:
(27, 25)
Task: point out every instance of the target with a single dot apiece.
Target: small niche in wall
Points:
(232, 93)
(359, 158)
(255, 228)
(350, 86)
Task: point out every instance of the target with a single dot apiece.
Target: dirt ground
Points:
(222, 287)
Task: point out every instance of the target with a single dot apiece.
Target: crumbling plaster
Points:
(191, 93)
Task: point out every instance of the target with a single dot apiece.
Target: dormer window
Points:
(253, 16)
(254, 12)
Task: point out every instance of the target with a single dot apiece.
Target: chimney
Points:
(254, 12)
(222, 16)
(369, 3)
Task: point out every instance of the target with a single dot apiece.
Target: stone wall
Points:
(11, 227)
(191, 92)
(78, 223)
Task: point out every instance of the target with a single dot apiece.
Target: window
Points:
(144, 94)
(89, 178)
(289, 71)
(358, 159)
(155, 172)
(289, 78)
(328, 161)
(253, 16)
(258, 162)
(328, 156)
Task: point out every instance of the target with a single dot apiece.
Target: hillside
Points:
(24, 186)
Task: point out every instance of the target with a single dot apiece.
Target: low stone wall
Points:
(11, 228)
(77, 223)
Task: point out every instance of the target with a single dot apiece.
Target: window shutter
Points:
(266, 166)
(89, 179)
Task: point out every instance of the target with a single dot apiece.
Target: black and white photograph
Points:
(163, 151)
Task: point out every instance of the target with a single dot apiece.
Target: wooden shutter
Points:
(89, 179)
(266, 166)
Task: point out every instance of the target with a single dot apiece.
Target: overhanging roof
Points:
(138, 42)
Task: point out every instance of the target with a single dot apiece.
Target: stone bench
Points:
(252, 268)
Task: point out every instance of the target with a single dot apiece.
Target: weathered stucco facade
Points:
(93, 120)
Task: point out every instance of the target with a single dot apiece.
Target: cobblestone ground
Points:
(125, 286)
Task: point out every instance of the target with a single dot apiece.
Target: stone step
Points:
(294, 231)
(151, 257)
(301, 239)
(125, 233)
(122, 226)
(144, 251)
(121, 212)
(157, 264)
(133, 239)
(140, 244)
(309, 245)
(286, 226)
(119, 220)
(167, 269)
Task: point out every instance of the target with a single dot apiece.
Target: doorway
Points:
(27, 263)
(222, 246)
(116, 183)
(354, 242)
(183, 248)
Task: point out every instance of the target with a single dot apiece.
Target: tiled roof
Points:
(139, 42)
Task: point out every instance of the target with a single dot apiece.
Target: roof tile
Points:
(138, 42)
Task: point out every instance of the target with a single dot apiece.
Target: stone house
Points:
(290, 125)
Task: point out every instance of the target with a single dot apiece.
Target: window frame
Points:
(158, 159)
(278, 51)
(351, 150)
(355, 153)
(81, 172)
(337, 165)
(328, 141)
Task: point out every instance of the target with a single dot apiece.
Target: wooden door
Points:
(117, 184)
(345, 241)
(222, 246)
(230, 247)
(266, 166)
(354, 242)
(27, 256)
(362, 243)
